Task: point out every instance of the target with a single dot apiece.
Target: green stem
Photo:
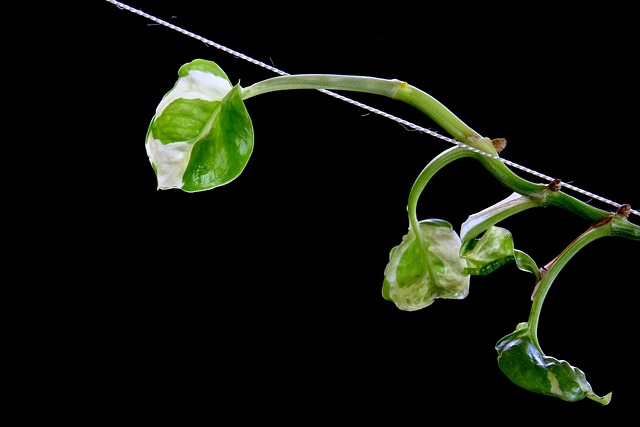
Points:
(554, 267)
(437, 163)
(527, 188)
(390, 88)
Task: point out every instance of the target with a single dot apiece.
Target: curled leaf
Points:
(493, 249)
(488, 253)
(425, 266)
(524, 363)
(201, 136)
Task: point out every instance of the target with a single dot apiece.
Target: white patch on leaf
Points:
(555, 384)
(196, 85)
(170, 161)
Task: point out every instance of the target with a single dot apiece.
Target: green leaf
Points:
(524, 363)
(425, 266)
(493, 249)
(488, 253)
(201, 136)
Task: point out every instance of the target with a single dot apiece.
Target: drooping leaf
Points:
(524, 363)
(488, 253)
(201, 136)
(425, 266)
(493, 249)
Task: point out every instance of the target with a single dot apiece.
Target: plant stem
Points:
(554, 267)
(437, 163)
(390, 88)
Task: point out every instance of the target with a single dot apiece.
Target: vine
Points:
(201, 137)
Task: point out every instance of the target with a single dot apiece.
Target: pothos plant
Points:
(201, 137)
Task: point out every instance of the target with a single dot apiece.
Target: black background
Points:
(260, 300)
